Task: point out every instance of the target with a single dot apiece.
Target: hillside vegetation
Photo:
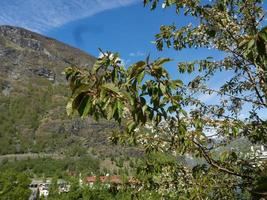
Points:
(33, 98)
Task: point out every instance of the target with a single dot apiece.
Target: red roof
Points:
(90, 179)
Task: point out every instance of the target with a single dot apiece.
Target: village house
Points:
(41, 187)
(44, 190)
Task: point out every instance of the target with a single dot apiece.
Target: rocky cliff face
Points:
(26, 54)
(33, 95)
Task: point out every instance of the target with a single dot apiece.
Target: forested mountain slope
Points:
(33, 96)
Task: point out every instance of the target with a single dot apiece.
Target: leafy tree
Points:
(166, 117)
(14, 185)
(53, 188)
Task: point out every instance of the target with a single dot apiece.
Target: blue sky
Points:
(124, 26)
(118, 25)
(128, 30)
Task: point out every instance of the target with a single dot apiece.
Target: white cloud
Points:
(43, 15)
(137, 54)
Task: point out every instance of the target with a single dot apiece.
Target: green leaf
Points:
(87, 109)
(243, 43)
(224, 156)
(82, 103)
(112, 87)
(162, 88)
(172, 109)
(136, 69)
(176, 84)
(129, 97)
(261, 48)
(235, 131)
(110, 112)
(131, 126)
(263, 35)
(97, 66)
(119, 109)
(69, 107)
(251, 44)
(161, 61)
(211, 33)
(234, 155)
(144, 108)
(140, 77)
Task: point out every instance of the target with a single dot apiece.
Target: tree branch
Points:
(214, 164)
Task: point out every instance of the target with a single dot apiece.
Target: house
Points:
(41, 187)
(63, 186)
(43, 190)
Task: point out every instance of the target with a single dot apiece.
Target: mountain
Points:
(34, 94)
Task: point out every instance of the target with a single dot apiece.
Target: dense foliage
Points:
(49, 167)
(97, 192)
(14, 185)
(166, 116)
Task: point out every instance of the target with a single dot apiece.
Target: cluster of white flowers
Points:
(110, 56)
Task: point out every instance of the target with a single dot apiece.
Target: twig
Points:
(214, 164)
